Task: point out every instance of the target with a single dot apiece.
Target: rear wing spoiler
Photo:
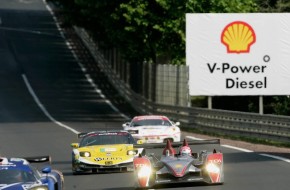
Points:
(178, 144)
(38, 159)
(83, 134)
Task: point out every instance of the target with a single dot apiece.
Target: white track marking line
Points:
(88, 77)
(246, 150)
(41, 106)
(36, 99)
(237, 148)
(276, 157)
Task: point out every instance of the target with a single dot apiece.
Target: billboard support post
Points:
(209, 102)
(261, 105)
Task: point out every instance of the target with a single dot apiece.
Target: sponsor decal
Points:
(150, 117)
(111, 133)
(108, 163)
(232, 54)
(107, 134)
(140, 163)
(178, 166)
(226, 68)
(133, 131)
(238, 37)
(217, 161)
(177, 169)
(111, 158)
(108, 149)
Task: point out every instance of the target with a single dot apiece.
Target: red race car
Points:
(179, 166)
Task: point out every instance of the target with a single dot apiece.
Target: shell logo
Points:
(238, 37)
(178, 166)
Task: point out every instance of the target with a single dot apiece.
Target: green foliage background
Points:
(154, 31)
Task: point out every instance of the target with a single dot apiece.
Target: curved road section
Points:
(48, 94)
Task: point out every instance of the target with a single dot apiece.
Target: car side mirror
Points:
(75, 145)
(126, 124)
(140, 142)
(177, 123)
(46, 170)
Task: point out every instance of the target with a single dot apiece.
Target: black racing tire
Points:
(75, 173)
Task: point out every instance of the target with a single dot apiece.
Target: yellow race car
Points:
(104, 151)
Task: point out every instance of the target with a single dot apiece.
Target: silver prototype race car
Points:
(181, 167)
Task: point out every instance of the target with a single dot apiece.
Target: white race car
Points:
(153, 129)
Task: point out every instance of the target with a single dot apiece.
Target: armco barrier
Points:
(266, 127)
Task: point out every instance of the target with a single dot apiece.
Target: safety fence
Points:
(161, 83)
(265, 127)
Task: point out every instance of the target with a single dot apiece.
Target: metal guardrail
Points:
(265, 127)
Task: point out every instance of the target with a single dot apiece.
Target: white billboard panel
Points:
(238, 54)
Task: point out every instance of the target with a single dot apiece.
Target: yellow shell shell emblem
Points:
(238, 37)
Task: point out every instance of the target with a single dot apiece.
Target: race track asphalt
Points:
(46, 99)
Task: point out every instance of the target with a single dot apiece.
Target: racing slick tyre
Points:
(75, 173)
(74, 170)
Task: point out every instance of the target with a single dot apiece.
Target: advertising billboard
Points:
(238, 53)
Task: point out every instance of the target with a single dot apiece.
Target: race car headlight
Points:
(144, 171)
(132, 152)
(85, 154)
(212, 168)
(40, 187)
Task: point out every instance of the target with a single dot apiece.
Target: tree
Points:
(153, 30)
(159, 25)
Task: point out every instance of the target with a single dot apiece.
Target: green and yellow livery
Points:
(104, 151)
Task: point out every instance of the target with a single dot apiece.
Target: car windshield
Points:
(151, 122)
(15, 176)
(107, 139)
